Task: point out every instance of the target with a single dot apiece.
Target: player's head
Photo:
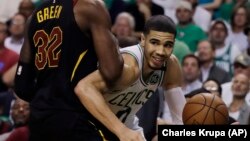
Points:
(158, 40)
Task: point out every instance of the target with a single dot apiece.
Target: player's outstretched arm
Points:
(172, 90)
(25, 74)
(90, 91)
(106, 46)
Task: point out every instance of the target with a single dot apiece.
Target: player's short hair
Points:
(160, 23)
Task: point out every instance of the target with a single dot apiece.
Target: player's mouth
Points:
(158, 61)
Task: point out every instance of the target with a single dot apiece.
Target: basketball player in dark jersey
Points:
(65, 40)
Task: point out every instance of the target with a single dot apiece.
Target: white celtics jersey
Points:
(126, 103)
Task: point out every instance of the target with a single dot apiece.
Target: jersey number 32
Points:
(47, 48)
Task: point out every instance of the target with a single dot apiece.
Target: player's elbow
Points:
(81, 88)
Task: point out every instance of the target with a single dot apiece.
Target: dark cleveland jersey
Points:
(63, 55)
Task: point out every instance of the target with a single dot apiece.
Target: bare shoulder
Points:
(131, 72)
(173, 60)
(92, 9)
(132, 64)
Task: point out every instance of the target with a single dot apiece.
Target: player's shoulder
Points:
(132, 48)
(173, 59)
(90, 5)
(93, 10)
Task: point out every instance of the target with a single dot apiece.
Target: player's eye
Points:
(168, 45)
(154, 43)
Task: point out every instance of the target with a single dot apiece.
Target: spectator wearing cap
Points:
(187, 31)
(225, 53)
(241, 66)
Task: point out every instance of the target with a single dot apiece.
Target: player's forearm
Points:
(110, 60)
(176, 102)
(94, 102)
(25, 81)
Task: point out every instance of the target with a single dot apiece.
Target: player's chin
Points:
(155, 67)
(157, 64)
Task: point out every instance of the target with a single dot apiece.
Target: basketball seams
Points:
(215, 112)
(209, 107)
(195, 112)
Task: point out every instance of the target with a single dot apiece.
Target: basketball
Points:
(205, 109)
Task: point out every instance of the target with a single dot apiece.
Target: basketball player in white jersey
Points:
(147, 66)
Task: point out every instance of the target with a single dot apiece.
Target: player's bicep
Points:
(130, 71)
(129, 75)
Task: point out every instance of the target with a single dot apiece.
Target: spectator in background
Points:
(16, 38)
(239, 21)
(7, 57)
(142, 11)
(169, 7)
(225, 53)
(180, 50)
(209, 70)
(191, 73)
(213, 86)
(124, 25)
(212, 6)
(20, 112)
(201, 16)
(8, 8)
(123, 29)
(238, 108)
(241, 66)
(188, 32)
(26, 7)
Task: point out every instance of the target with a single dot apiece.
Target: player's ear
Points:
(142, 40)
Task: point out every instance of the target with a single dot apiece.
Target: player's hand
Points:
(131, 135)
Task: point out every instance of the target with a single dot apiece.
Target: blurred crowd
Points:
(212, 46)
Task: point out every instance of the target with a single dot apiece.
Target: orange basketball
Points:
(205, 109)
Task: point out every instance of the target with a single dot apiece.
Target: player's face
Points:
(158, 46)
